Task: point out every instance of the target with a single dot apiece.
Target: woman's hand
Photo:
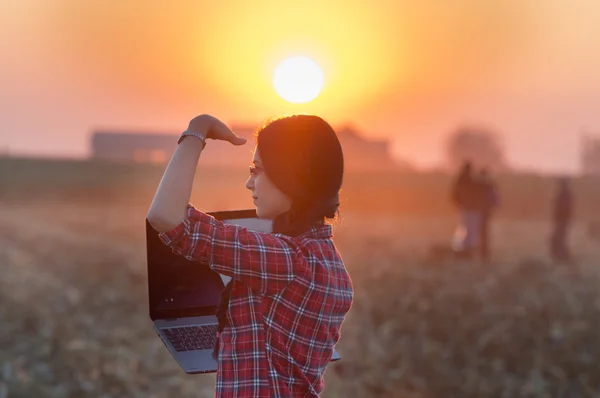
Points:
(213, 128)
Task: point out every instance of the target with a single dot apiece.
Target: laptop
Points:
(183, 296)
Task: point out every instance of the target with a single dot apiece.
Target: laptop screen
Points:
(178, 287)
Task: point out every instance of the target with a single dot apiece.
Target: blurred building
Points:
(121, 146)
(147, 147)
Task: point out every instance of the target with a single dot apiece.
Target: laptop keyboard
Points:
(190, 338)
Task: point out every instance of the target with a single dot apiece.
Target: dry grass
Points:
(73, 304)
(519, 327)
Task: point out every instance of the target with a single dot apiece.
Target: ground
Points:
(73, 303)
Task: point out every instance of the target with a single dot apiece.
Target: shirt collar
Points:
(321, 231)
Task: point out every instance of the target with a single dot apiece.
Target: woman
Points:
(282, 313)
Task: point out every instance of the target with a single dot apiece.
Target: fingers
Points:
(216, 129)
(227, 135)
(237, 140)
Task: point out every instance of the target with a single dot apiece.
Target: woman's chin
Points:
(259, 213)
(262, 214)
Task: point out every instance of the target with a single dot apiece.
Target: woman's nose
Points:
(250, 183)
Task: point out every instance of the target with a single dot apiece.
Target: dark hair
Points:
(303, 157)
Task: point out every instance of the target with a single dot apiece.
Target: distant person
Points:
(281, 314)
(488, 201)
(562, 216)
(465, 197)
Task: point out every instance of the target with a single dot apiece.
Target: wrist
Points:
(196, 136)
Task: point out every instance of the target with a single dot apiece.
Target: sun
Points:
(298, 79)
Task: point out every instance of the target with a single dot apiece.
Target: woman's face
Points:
(270, 202)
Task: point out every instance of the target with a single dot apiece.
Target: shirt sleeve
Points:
(266, 262)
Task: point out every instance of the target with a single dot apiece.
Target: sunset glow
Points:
(298, 79)
(410, 72)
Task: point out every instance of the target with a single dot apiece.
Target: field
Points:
(73, 300)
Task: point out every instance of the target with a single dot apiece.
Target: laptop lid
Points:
(178, 287)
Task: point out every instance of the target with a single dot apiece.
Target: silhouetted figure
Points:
(562, 215)
(489, 199)
(465, 198)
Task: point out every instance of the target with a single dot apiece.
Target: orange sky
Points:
(411, 71)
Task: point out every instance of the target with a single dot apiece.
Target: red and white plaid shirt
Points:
(288, 301)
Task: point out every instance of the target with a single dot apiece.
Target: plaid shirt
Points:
(287, 304)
